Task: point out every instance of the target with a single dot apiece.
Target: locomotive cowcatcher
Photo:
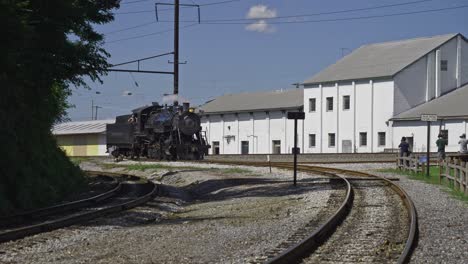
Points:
(158, 132)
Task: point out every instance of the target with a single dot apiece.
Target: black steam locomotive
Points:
(158, 132)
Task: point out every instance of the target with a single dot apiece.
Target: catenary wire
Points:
(150, 34)
(291, 16)
(342, 19)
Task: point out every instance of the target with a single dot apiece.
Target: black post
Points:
(295, 150)
(176, 47)
(428, 146)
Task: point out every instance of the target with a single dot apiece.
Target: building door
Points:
(244, 147)
(215, 147)
(346, 146)
(276, 146)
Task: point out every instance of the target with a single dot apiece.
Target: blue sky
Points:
(232, 58)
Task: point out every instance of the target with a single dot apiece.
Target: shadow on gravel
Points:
(171, 199)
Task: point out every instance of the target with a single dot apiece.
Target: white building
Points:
(365, 102)
(349, 104)
(252, 123)
(452, 112)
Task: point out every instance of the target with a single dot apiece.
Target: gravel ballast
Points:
(443, 220)
(206, 213)
(211, 214)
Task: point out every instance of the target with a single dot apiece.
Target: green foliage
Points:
(47, 46)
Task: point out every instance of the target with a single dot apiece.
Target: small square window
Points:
(312, 104)
(312, 141)
(443, 65)
(363, 139)
(329, 103)
(381, 139)
(331, 140)
(346, 102)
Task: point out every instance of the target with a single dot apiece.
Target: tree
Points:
(48, 46)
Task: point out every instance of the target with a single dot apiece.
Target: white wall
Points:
(464, 62)
(258, 128)
(410, 86)
(448, 78)
(418, 130)
(371, 105)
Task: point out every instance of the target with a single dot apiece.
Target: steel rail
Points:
(60, 208)
(64, 221)
(412, 237)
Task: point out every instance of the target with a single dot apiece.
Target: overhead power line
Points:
(150, 34)
(170, 9)
(290, 16)
(342, 19)
(325, 13)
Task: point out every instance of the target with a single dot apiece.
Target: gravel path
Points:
(203, 216)
(443, 220)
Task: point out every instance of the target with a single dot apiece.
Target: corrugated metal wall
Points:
(81, 145)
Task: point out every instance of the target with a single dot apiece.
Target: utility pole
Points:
(97, 107)
(176, 49)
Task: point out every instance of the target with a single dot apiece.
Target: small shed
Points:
(85, 138)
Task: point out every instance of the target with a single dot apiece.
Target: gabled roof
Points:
(379, 60)
(452, 105)
(84, 127)
(256, 101)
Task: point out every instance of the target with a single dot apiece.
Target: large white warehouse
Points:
(365, 102)
(349, 104)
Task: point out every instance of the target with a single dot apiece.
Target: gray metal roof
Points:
(452, 105)
(379, 60)
(255, 101)
(84, 127)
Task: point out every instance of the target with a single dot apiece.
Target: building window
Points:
(346, 102)
(276, 146)
(329, 103)
(312, 141)
(444, 65)
(311, 104)
(215, 147)
(382, 140)
(363, 139)
(331, 140)
(244, 147)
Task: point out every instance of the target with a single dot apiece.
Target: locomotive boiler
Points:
(158, 132)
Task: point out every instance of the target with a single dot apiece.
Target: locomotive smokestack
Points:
(186, 106)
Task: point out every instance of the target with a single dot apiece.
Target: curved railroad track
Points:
(347, 239)
(129, 191)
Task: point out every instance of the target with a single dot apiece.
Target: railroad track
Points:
(341, 236)
(129, 191)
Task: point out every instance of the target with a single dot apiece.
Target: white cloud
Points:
(261, 26)
(261, 12)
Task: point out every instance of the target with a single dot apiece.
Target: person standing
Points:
(404, 148)
(463, 144)
(441, 143)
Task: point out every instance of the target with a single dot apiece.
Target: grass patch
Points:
(235, 171)
(432, 179)
(78, 160)
(144, 167)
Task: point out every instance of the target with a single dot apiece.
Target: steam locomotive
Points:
(158, 132)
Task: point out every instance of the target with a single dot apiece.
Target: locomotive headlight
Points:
(191, 110)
